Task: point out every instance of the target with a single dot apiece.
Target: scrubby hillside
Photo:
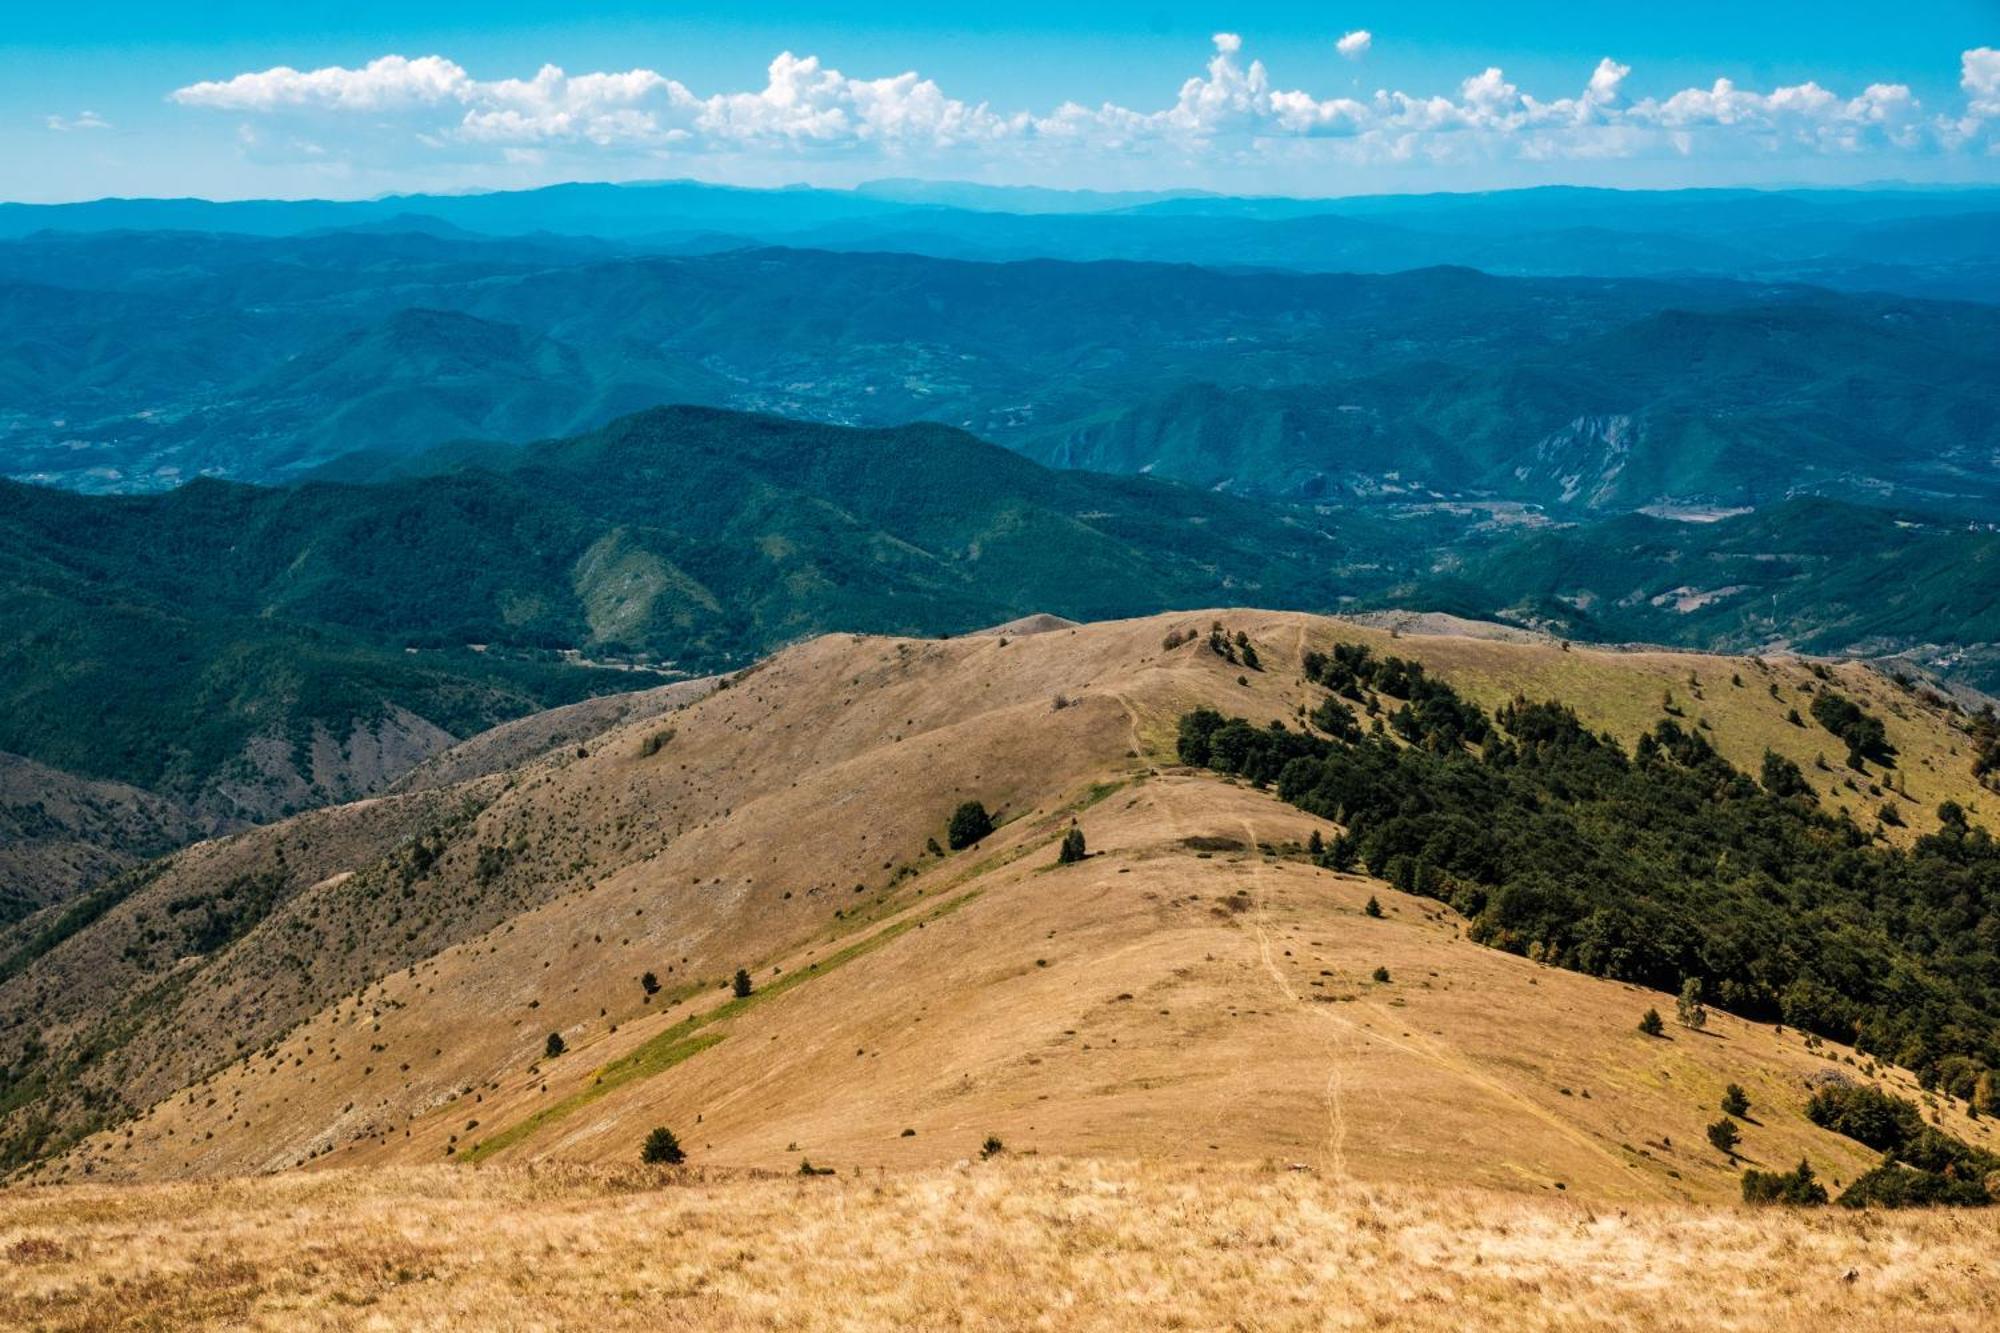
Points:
(512, 744)
(60, 834)
(379, 984)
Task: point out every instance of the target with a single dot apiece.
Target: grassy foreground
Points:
(1012, 1242)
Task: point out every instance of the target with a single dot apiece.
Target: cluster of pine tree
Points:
(1865, 736)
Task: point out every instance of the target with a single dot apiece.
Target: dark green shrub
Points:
(1373, 908)
(1795, 1188)
(1863, 732)
(969, 823)
(661, 1147)
(1725, 1136)
(1337, 720)
(1893, 1186)
(1650, 1023)
(1072, 847)
(1735, 1101)
(740, 983)
(1895, 1127)
(1867, 1115)
(1783, 778)
(554, 1046)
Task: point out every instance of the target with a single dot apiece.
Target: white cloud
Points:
(1355, 44)
(387, 83)
(1605, 81)
(1232, 108)
(83, 120)
(804, 103)
(1979, 75)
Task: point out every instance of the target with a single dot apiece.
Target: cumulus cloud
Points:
(387, 83)
(1979, 75)
(84, 120)
(1233, 107)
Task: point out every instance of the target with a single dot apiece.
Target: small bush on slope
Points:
(1796, 1187)
(662, 1148)
(969, 824)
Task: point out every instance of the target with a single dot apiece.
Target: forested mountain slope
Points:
(255, 650)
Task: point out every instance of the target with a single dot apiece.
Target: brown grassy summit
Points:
(995, 1244)
(376, 984)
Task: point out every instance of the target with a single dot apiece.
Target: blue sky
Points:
(312, 98)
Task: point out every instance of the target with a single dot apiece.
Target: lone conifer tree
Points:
(662, 1148)
(969, 823)
(1072, 847)
(1651, 1024)
(1689, 1009)
(741, 983)
(554, 1046)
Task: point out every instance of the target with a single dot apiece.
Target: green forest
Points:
(1651, 866)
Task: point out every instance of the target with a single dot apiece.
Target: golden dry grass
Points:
(1158, 1033)
(1158, 999)
(1007, 1243)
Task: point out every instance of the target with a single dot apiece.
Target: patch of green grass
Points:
(1096, 792)
(656, 1056)
(687, 1038)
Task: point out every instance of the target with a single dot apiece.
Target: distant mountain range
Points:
(134, 362)
(1865, 398)
(1917, 241)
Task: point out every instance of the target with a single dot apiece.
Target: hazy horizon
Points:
(110, 99)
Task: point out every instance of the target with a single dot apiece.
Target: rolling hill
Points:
(61, 834)
(418, 379)
(374, 984)
(254, 651)
(1742, 406)
(140, 361)
(1814, 574)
